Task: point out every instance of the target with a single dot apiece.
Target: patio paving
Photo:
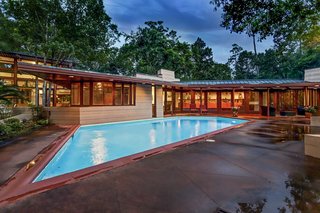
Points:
(24, 148)
(260, 167)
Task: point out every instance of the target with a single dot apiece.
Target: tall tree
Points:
(202, 58)
(153, 47)
(62, 29)
(290, 22)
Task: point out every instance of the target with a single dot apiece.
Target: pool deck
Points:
(260, 166)
(23, 149)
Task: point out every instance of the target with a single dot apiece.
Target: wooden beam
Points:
(268, 102)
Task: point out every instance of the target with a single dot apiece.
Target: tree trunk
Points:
(254, 44)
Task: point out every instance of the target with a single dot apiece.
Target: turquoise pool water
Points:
(95, 144)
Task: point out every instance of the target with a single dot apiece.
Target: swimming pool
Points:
(96, 144)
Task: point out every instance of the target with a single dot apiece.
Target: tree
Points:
(202, 58)
(153, 47)
(61, 29)
(289, 22)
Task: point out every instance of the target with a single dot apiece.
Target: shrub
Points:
(15, 124)
(42, 122)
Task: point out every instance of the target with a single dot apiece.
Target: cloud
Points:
(190, 18)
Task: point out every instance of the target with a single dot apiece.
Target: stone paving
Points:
(24, 148)
(260, 167)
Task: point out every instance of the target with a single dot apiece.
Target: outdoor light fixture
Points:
(71, 76)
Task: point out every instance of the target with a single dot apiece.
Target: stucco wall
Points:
(104, 114)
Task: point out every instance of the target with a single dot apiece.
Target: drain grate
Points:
(219, 210)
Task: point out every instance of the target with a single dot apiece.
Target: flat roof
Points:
(245, 81)
(64, 76)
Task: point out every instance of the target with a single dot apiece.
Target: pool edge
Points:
(20, 185)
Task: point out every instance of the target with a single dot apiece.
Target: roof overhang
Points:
(64, 76)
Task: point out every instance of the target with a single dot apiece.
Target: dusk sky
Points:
(190, 18)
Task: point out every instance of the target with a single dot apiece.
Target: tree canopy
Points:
(82, 31)
(60, 29)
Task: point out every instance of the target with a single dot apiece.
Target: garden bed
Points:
(13, 128)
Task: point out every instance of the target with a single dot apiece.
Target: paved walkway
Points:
(25, 148)
(257, 168)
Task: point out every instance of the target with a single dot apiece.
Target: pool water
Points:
(95, 144)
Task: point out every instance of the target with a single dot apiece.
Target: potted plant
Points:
(309, 111)
(235, 111)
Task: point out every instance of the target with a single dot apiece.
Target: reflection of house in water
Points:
(84, 97)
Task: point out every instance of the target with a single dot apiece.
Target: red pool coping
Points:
(20, 185)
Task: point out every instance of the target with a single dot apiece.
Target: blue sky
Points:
(190, 18)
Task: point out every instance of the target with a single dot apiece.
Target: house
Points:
(83, 97)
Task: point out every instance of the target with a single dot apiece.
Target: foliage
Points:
(37, 112)
(310, 109)
(155, 46)
(8, 92)
(289, 22)
(60, 29)
(14, 127)
(5, 111)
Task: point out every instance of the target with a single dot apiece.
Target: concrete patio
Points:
(257, 168)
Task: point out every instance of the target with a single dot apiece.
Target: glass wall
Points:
(118, 94)
(212, 100)
(169, 101)
(75, 94)
(253, 101)
(86, 93)
(178, 100)
(126, 94)
(239, 99)
(286, 100)
(198, 99)
(186, 96)
(300, 98)
(225, 100)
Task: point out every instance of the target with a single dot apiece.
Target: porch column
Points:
(232, 97)
(200, 101)
(54, 101)
(172, 100)
(306, 96)
(37, 92)
(268, 102)
(15, 72)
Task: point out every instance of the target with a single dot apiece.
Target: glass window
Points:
(286, 100)
(198, 99)
(254, 101)
(133, 91)
(75, 94)
(169, 101)
(225, 100)
(107, 93)
(186, 100)
(126, 94)
(97, 93)
(212, 100)
(118, 94)
(178, 100)
(86, 93)
(238, 99)
(62, 96)
(301, 98)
